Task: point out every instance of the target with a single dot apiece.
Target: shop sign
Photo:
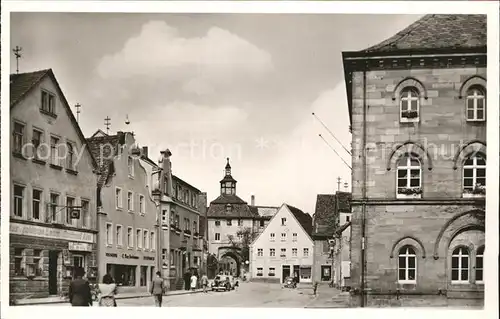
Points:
(148, 258)
(127, 256)
(48, 232)
(79, 246)
(112, 255)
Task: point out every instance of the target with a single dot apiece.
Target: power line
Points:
(348, 152)
(335, 151)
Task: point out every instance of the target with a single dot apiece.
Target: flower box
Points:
(409, 114)
(408, 192)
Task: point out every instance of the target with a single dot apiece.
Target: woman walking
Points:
(107, 292)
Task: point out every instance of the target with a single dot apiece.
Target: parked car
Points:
(224, 283)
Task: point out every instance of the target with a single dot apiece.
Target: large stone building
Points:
(126, 212)
(284, 249)
(53, 187)
(331, 235)
(417, 105)
(229, 216)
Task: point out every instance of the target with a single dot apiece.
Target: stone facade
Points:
(442, 217)
(47, 240)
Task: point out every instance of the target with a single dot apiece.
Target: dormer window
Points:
(476, 104)
(409, 105)
(229, 208)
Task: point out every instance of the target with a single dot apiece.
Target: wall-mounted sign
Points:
(148, 258)
(48, 232)
(127, 256)
(79, 246)
(65, 256)
(114, 255)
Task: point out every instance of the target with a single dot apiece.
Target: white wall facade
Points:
(266, 266)
(224, 230)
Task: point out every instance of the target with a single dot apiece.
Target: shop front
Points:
(44, 259)
(132, 272)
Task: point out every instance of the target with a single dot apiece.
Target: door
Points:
(77, 263)
(53, 256)
(285, 272)
(326, 273)
(296, 273)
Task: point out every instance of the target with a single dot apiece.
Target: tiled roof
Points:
(103, 148)
(343, 201)
(438, 32)
(325, 217)
(304, 219)
(21, 84)
(267, 212)
(228, 199)
(228, 178)
(237, 211)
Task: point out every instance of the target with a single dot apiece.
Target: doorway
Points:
(285, 272)
(296, 273)
(326, 273)
(53, 257)
(78, 263)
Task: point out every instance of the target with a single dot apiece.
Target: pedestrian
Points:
(315, 287)
(157, 288)
(80, 294)
(204, 282)
(187, 280)
(107, 292)
(194, 279)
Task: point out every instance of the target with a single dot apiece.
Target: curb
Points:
(118, 297)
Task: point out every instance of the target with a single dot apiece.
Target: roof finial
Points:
(17, 52)
(107, 122)
(227, 160)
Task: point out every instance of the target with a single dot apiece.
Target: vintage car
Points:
(224, 283)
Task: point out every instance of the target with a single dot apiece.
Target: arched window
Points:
(409, 104)
(460, 265)
(479, 264)
(476, 103)
(474, 176)
(407, 265)
(409, 177)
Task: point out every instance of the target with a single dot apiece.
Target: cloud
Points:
(160, 51)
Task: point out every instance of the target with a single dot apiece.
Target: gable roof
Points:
(264, 212)
(102, 148)
(328, 208)
(99, 133)
(437, 32)
(304, 220)
(23, 83)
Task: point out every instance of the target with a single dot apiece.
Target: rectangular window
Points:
(262, 223)
(272, 236)
(118, 198)
(70, 156)
(144, 276)
(294, 252)
(283, 236)
(217, 223)
(130, 167)
(283, 252)
(348, 218)
(37, 263)
(130, 201)
(19, 262)
(164, 254)
(18, 136)
(142, 209)
(85, 213)
(153, 241)
(109, 234)
(37, 204)
(195, 227)
(240, 222)
(138, 238)
(259, 271)
(130, 237)
(272, 272)
(283, 221)
(164, 217)
(119, 235)
(70, 202)
(48, 102)
(145, 237)
(306, 252)
(272, 252)
(54, 202)
(54, 148)
(260, 252)
(229, 222)
(217, 236)
(37, 141)
(18, 200)
(294, 237)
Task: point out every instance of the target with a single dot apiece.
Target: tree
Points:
(247, 237)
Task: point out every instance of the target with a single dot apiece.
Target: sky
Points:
(212, 86)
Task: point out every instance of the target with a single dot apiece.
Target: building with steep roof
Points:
(417, 106)
(284, 249)
(332, 235)
(53, 185)
(227, 217)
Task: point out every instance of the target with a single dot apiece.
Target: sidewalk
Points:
(130, 295)
(327, 297)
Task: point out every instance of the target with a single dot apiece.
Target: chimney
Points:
(252, 200)
(145, 151)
